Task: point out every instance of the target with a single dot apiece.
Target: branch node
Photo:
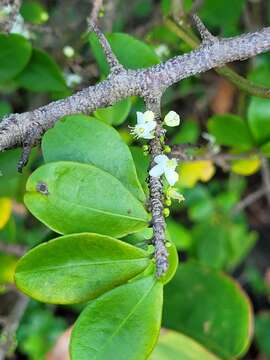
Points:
(114, 64)
(206, 36)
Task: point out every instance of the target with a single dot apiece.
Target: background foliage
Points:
(217, 304)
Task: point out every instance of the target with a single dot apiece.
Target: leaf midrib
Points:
(110, 262)
(124, 321)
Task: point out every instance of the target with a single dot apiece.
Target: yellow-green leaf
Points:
(5, 211)
(246, 167)
(192, 172)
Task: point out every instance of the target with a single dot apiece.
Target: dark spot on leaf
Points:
(42, 188)
(129, 211)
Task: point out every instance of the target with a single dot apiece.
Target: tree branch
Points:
(239, 81)
(26, 129)
(7, 338)
(97, 5)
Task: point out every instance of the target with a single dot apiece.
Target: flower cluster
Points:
(146, 124)
(145, 129)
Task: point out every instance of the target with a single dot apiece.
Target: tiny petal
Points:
(161, 159)
(172, 119)
(149, 116)
(156, 171)
(140, 117)
(148, 136)
(171, 176)
(150, 126)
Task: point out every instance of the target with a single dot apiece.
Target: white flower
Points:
(172, 119)
(145, 117)
(145, 125)
(165, 166)
(72, 79)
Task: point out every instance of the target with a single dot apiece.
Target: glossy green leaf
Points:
(209, 307)
(262, 332)
(9, 176)
(123, 323)
(259, 119)
(131, 53)
(15, 52)
(265, 149)
(5, 108)
(230, 130)
(34, 12)
(72, 198)
(221, 245)
(115, 114)
(224, 14)
(42, 74)
(76, 268)
(7, 268)
(87, 140)
(142, 164)
(179, 235)
(188, 133)
(176, 346)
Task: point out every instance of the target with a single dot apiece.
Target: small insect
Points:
(42, 188)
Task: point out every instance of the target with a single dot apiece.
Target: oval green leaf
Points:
(15, 52)
(123, 323)
(115, 114)
(130, 52)
(173, 345)
(259, 119)
(77, 268)
(72, 198)
(230, 130)
(34, 12)
(42, 74)
(86, 140)
(211, 308)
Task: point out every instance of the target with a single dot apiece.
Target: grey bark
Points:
(26, 129)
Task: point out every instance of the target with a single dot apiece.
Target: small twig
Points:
(97, 5)
(177, 9)
(7, 338)
(248, 200)
(197, 4)
(180, 152)
(239, 81)
(17, 250)
(115, 66)
(205, 34)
